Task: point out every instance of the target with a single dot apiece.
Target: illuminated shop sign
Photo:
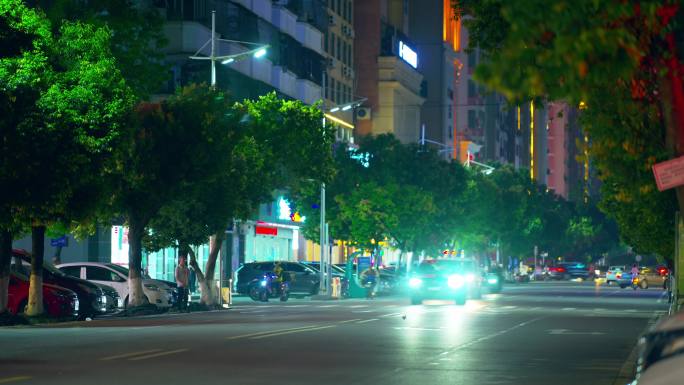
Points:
(410, 56)
(285, 213)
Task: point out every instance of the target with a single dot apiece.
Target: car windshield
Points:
(445, 266)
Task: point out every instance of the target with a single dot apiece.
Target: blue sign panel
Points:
(62, 241)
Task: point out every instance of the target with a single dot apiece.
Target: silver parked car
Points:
(158, 292)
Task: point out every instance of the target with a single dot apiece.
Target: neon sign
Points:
(410, 56)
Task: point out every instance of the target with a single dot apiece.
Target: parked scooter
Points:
(267, 287)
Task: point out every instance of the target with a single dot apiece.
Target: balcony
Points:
(285, 81)
(393, 69)
(308, 91)
(310, 37)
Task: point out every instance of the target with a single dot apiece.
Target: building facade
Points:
(387, 68)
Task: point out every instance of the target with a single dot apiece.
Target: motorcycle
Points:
(268, 286)
(635, 282)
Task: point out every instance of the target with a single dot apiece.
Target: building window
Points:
(325, 42)
(450, 93)
(451, 134)
(472, 119)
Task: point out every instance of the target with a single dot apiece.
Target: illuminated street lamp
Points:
(326, 258)
(258, 52)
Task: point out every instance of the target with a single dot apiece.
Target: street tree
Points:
(269, 144)
(64, 103)
(137, 36)
(177, 143)
(617, 59)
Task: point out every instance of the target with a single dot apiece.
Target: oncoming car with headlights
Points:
(456, 279)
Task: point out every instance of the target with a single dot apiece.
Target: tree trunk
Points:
(206, 294)
(209, 296)
(5, 261)
(136, 296)
(35, 299)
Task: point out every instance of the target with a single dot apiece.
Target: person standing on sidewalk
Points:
(182, 280)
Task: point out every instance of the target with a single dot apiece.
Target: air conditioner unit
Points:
(363, 113)
(332, 20)
(344, 29)
(352, 34)
(331, 62)
(351, 73)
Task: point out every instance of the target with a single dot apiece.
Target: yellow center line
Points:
(13, 379)
(157, 354)
(292, 331)
(129, 354)
(267, 332)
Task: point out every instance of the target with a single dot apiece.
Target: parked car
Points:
(337, 272)
(661, 353)
(92, 301)
(612, 273)
(303, 279)
(157, 292)
(114, 302)
(57, 301)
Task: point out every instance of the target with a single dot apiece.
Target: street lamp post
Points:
(257, 52)
(324, 238)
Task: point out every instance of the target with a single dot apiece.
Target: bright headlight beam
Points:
(228, 61)
(455, 281)
(260, 53)
(415, 282)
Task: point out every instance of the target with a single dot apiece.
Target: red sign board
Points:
(266, 230)
(669, 174)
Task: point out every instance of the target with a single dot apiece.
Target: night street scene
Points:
(373, 192)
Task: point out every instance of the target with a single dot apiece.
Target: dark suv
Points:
(303, 279)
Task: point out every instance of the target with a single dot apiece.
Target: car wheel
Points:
(644, 284)
(623, 286)
(416, 300)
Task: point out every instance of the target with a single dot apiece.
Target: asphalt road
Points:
(537, 333)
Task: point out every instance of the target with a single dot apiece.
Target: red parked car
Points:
(57, 301)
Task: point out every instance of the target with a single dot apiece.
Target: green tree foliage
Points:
(407, 196)
(176, 143)
(136, 41)
(266, 145)
(612, 56)
(63, 104)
